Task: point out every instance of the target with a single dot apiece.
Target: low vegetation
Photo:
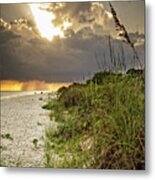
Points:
(7, 136)
(100, 123)
(35, 142)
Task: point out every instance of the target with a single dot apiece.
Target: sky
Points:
(65, 42)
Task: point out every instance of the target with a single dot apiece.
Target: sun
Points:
(44, 22)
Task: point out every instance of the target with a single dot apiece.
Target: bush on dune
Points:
(101, 123)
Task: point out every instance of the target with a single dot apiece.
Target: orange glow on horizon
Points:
(13, 85)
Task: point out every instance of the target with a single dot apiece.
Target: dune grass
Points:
(100, 123)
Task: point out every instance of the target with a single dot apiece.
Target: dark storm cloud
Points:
(6, 36)
(61, 60)
(26, 56)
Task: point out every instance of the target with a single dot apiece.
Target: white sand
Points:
(24, 119)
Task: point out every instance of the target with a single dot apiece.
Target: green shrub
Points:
(101, 124)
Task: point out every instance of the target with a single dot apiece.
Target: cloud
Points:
(61, 60)
(82, 15)
(25, 56)
(18, 28)
(16, 25)
(137, 38)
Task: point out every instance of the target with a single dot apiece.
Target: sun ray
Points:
(43, 20)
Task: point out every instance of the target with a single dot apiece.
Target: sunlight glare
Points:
(43, 20)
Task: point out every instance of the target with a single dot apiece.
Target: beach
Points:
(23, 123)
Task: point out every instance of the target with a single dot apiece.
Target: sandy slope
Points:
(23, 118)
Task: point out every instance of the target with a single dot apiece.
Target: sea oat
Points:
(122, 32)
